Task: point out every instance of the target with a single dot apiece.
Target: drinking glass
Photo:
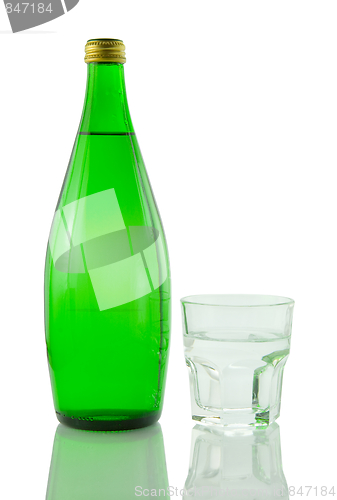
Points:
(236, 347)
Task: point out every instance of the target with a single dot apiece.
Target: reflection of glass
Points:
(236, 347)
(95, 465)
(242, 463)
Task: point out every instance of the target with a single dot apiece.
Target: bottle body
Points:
(107, 279)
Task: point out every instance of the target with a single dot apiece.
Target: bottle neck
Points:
(105, 106)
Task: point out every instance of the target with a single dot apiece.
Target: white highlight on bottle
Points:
(119, 282)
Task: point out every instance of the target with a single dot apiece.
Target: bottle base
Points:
(111, 423)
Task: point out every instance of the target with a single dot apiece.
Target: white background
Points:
(235, 108)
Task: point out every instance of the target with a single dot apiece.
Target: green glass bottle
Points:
(107, 278)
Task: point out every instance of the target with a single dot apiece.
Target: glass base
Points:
(237, 418)
(109, 423)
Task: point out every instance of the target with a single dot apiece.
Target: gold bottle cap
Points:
(105, 50)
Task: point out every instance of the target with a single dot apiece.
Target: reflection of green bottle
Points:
(107, 465)
(107, 279)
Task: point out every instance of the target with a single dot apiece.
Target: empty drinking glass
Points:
(236, 347)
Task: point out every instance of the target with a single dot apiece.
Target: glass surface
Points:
(236, 347)
(96, 465)
(107, 278)
(227, 464)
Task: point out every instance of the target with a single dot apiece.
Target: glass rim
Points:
(214, 300)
